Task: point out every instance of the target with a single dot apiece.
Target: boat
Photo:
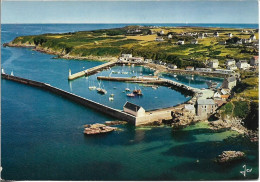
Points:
(12, 73)
(127, 89)
(139, 92)
(130, 95)
(112, 95)
(135, 91)
(155, 87)
(92, 88)
(114, 87)
(101, 91)
(111, 98)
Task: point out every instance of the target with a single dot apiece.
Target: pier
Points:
(151, 80)
(91, 71)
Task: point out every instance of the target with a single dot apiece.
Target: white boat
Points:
(112, 95)
(92, 88)
(101, 90)
(12, 73)
(111, 98)
(127, 89)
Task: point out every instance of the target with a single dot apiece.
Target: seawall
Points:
(80, 100)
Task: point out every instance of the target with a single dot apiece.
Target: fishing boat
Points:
(127, 89)
(135, 91)
(112, 95)
(130, 95)
(139, 92)
(111, 98)
(92, 87)
(12, 73)
(155, 87)
(101, 91)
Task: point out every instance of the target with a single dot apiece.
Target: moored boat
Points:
(101, 91)
(130, 95)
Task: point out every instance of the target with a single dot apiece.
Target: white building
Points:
(180, 42)
(161, 32)
(230, 35)
(201, 36)
(216, 34)
(125, 57)
(232, 67)
(159, 39)
(213, 63)
(230, 62)
(242, 64)
(252, 37)
(190, 68)
(223, 71)
(204, 69)
(134, 109)
(170, 36)
(194, 41)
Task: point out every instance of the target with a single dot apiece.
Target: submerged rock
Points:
(98, 129)
(230, 156)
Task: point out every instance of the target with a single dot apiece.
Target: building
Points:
(136, 59)
(190, 68)
(148, 60)
(242, 64)
(180, 42)
(134, 109)
(217, 94)
(232, 67)
(230, 62)
(190, 108)
(170, 36)
(254, 61)
(239, 42)
(172, 66)
(252, 37)
(223, 71)
(161, 32)
(205, 107)
(159, 39)
(215, 34)
(194, 41)
(213, 63)
(246, 41)
(201, 36)
(125, 57)
(230, 35)
(229, 82)
(204, 69)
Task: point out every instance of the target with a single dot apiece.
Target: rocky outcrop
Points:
(182, 118)
(111, 123)
(230, 156)
(98, 129)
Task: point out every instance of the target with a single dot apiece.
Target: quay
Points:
(151, 80)
(91, 71)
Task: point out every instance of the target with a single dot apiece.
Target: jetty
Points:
(151, 80)
(91, 71)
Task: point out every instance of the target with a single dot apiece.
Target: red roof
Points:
(255, 57)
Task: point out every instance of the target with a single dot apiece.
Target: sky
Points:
(188, 11)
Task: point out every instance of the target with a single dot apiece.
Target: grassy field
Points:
(113, 42)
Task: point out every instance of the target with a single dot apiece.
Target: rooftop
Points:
(205, 102)
(132, 106)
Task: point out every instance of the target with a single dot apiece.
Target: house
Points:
(223, 71)
(219, 102)
(232, 67)
(213, 63)
(136, 59)
(215, 34)
(125, 57)
(172, 66)
(161, 32)
(190, 108)
(134, 109)
(201, 36)
(194, 41)
(242, 64)
(205, 107)
(229, 82)
(224, 97)
(254, 61)
(217, 94)
(204, 69)
(222, 42)
(230, 35)
(159, 39)
(148, 60)
(239, 42)
(246, 41)
(252, 37)
(190, 68)
(230, 62)
(180, 42)
(170, 36)
(225, 91)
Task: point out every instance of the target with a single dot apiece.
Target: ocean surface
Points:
(42, 133)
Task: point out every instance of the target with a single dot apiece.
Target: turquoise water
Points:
(42, 133)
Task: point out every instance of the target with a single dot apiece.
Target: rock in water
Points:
(230, 156)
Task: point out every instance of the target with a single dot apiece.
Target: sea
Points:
(42, 133)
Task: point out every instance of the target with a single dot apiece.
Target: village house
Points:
(161, 32)
(133, 109)
(148, 60)
(201, 36)
(190, 68)
(223, 71)
(172, 66)
(239, 42)
(217, 94)
(215, 34)
(170, 36)
(230, 35)
(252, 37)
(242, 64)
(213, 63)
(246, 41)
(230, 62)
(190, 108)
(125, 57)
(232, 67)
(229, 82)
(159, 39)
(180, 42)
(194, 41)
(136, 59)
(204, 69)
(254, 61)
(205, 107)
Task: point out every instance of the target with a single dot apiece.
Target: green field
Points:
(113, 42)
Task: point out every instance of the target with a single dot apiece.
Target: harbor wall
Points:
(83, 101)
